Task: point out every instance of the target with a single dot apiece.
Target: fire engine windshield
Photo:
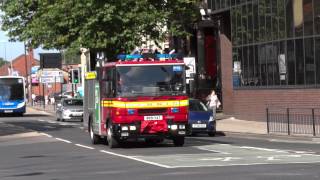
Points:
(151, 80)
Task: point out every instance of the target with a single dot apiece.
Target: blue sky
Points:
(11, 50)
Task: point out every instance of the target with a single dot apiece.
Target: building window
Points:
(316, 7)
(276, 43)
(308, 17)
(317, 60)
(310, 66)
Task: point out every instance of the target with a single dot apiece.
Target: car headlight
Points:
(20, 105)
(66, 111)
(211, 118)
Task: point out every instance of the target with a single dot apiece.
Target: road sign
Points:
(51, 79)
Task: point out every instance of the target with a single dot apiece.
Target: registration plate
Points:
(77, 114)
(152, 118)
(199, 125)
(8, 111)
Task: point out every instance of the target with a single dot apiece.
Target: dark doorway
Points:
(208, 54)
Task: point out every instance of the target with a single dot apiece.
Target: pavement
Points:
(225, 125)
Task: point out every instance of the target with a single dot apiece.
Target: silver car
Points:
(70, 108)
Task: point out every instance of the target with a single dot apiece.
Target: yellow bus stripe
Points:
(145, 104)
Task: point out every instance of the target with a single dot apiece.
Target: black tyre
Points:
(95, 139)
(212, 133)
(111, 139)
(178, 141)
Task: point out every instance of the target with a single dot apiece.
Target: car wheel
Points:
(178, 141)
(95, 139)
(112, 141)
(211, 134)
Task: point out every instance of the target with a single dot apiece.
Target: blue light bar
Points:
(166, 56)
(138, 56)
(129, 56)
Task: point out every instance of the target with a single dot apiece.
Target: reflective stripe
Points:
(145, 104)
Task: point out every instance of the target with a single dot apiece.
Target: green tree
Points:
(2, 61)
(115, 25)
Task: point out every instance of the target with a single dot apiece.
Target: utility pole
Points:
(27, 73)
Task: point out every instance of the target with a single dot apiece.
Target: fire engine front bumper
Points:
(133, 131)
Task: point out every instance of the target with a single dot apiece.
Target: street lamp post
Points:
(5, 55)
(27, 73)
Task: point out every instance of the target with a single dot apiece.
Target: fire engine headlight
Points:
(130, 111)
(124, 128)
(174, 127)
(182, 126)
(133, 128)
(174, 110)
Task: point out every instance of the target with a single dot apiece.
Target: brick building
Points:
(23, 64)
(265, 53)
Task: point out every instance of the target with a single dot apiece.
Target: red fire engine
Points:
(136, 97)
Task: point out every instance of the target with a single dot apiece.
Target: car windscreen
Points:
(151, 80)
(195, 105)
(11, 89)
(72, 102)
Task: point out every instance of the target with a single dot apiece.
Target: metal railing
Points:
(293, 121)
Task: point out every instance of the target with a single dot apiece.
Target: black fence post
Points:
(288, 120)
(268, 128)
(313, 123)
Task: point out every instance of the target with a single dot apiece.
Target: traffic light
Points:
(70, 76)
(75, 77)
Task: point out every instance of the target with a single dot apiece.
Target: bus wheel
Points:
(95, 139)
(112, 141)
(178, 141)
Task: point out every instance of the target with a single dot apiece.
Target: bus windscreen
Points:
(11, 89)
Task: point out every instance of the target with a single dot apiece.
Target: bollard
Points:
(268, 128)
(313, 123)
(288, 120)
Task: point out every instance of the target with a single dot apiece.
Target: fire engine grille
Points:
(151, 111)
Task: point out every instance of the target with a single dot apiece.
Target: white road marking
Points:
(220, 159)
(211, 159)
(230, 158)
(211, 150)
(66, 141)
(41, 120)
(45, 134)
(262, 149)
(80, 145)
(136, 159)
(52, 122)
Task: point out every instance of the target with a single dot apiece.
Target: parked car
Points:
(201, 119)
(58, 96)
(68, 94)
(69, 108)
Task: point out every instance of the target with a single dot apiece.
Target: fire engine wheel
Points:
(178, 141)
(112, 141)
(95, 139)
